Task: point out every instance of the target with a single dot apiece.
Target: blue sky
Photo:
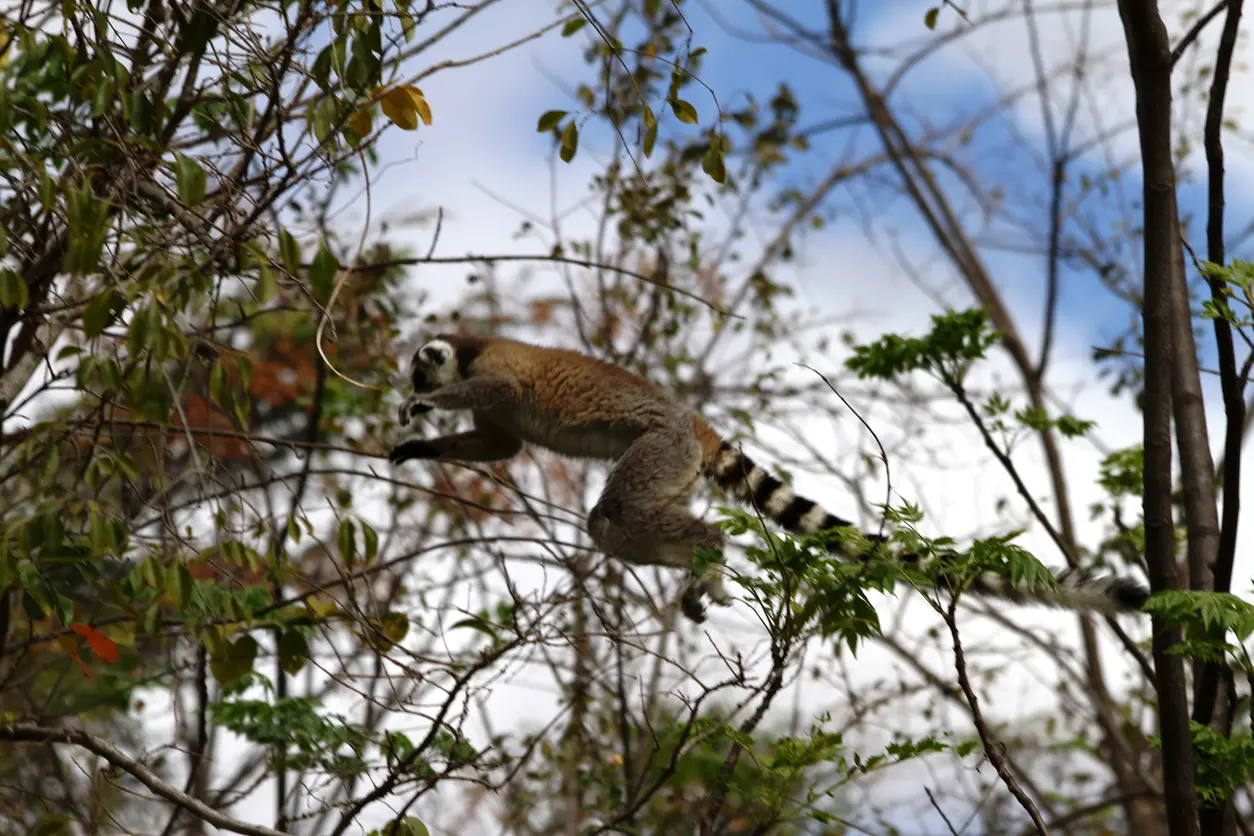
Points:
(937, 91)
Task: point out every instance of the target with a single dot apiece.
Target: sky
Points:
(482, 155)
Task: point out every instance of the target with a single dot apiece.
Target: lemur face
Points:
(434, 365)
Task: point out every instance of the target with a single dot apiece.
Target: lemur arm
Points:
(477, 393)
(477, 445)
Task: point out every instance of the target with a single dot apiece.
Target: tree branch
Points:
(1189, 37)
(29, 733)
(1208, 704)
(992, 748)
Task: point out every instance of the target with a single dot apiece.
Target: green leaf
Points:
(101, 312)
(218, 389)
(293, 651)
(549, 119)
(684, 111)
(34, 608)
(371, 539)
(324, 117)
(14, 294)
(52, 465)
(476, 623)
(53, 824)
(408, 826)
(8, 565)
(346, 539)
(322, 273)
(189, 177)
(234, 661)
(265, 287)
(713, 165)
(141, 329)
(574, 25)
(289, 251)
(395, 626)
(183, 584)
(929, 19)
(650, 137)
(570, 141)
(102, 98)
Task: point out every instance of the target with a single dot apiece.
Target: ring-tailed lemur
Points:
(578, 406)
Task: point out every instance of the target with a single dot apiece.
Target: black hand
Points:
(411, 409)
(417, 448)
(690, 605)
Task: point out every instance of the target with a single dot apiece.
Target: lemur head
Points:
(434, 365)
(442, 360)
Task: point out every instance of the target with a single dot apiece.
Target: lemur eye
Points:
(432, 355)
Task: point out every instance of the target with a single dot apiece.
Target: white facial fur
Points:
(436, 362)
(433, 366)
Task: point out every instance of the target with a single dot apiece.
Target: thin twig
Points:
(938, 809)
(1191, 35)
(991, 746)
(343, 277)
(888, 479)
(555, 259)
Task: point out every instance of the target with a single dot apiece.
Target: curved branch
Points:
(30, 733)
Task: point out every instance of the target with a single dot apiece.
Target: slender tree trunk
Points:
(1149, 54)
(1213, 705)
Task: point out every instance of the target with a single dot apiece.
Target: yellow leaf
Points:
(399, 108)
(360, 121)
(420, 102)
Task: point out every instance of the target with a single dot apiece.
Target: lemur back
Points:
(570, 403)
(579, 406)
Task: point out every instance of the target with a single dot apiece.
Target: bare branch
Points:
(30, 733)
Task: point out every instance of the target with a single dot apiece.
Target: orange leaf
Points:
(71, 650)
(100, 644)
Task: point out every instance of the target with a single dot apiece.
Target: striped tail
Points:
(749, 483)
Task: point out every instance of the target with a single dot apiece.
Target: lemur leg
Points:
(482, 444)
(478, 393)
(642, 515)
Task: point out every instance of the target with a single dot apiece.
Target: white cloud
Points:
(995, 59)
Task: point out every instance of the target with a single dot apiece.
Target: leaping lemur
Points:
(579, 406)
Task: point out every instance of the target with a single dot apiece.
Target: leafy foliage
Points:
(956, 341)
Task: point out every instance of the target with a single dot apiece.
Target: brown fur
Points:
(579, 406)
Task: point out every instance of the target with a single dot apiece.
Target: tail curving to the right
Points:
(750, 483)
